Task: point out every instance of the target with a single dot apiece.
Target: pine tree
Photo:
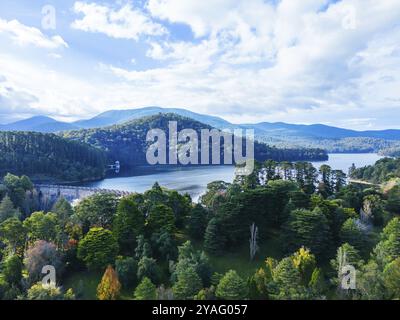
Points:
(213, 239)
(188, 284)
(391, 276)
(146, 290)
(98, 248)
(309, 229)
(317, 283)
(128, 224)
(160, 218)
(197, 222)
(352, 234)
(388, 249)
(232, 287)
(147, 267)
(7, 209)
(287, 276)
(63, 210)
(109, 287)
(12, 270)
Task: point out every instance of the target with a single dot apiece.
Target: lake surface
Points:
(194, 180)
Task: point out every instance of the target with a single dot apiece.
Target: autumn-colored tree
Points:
(109, 287)
(305, 262)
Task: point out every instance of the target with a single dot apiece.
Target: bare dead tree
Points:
(253, 241)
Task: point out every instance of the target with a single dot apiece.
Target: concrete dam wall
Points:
(49, 194)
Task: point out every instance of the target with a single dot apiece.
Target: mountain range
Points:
(333, 139)
(127, 142)
(39, 124)
(276, 129)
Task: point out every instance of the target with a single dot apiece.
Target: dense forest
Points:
(393, 151)
(384, 170)
(284, 232)
(48, 156)
(127, 142)
(337, 145)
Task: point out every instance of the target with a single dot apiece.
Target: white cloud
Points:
(24, 35)
(124, 23)
(13, 100)
(294, 60)
(54, 55)
(250, 61)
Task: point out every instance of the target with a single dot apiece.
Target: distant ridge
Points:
(113, 117)
(38, 124)
(281, 134)
(272, 129)
(127, 142)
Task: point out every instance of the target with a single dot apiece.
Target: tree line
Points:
(161, 245)
(127, 142)
(49, 156)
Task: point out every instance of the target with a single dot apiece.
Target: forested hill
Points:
(127, 142)
(281, 135)
(382, 171)
(48, 156)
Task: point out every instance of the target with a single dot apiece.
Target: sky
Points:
(247, 61)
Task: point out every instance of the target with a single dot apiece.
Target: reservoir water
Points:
(194, 180)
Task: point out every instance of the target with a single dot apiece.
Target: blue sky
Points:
(308, 61)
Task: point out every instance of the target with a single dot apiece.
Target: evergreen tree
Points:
(326, 186)
(197, 222)
(309, 229)
(187, 285)
(391, 277)
(388, 249)
(42, 226)
(370, 283)
(13, 234)
(98, 248)
(63, 210)
(7, 209)
(287, 279)
(181, 206)
(40, 292)
(160, 218)
(146, 290)
(339, 180)
(143, 248)
(214, 241)
(97, 211)
(232, 287)
(126, 269)
(12, 270)
(165, 244)
(352, 234)
(147, 267)
(128, 224)
(190, 258)
(317, 282)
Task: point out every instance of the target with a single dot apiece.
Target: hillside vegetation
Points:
(280, 234)
(127, 142)
(47, 156)
(383, 171)
(280, 134)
